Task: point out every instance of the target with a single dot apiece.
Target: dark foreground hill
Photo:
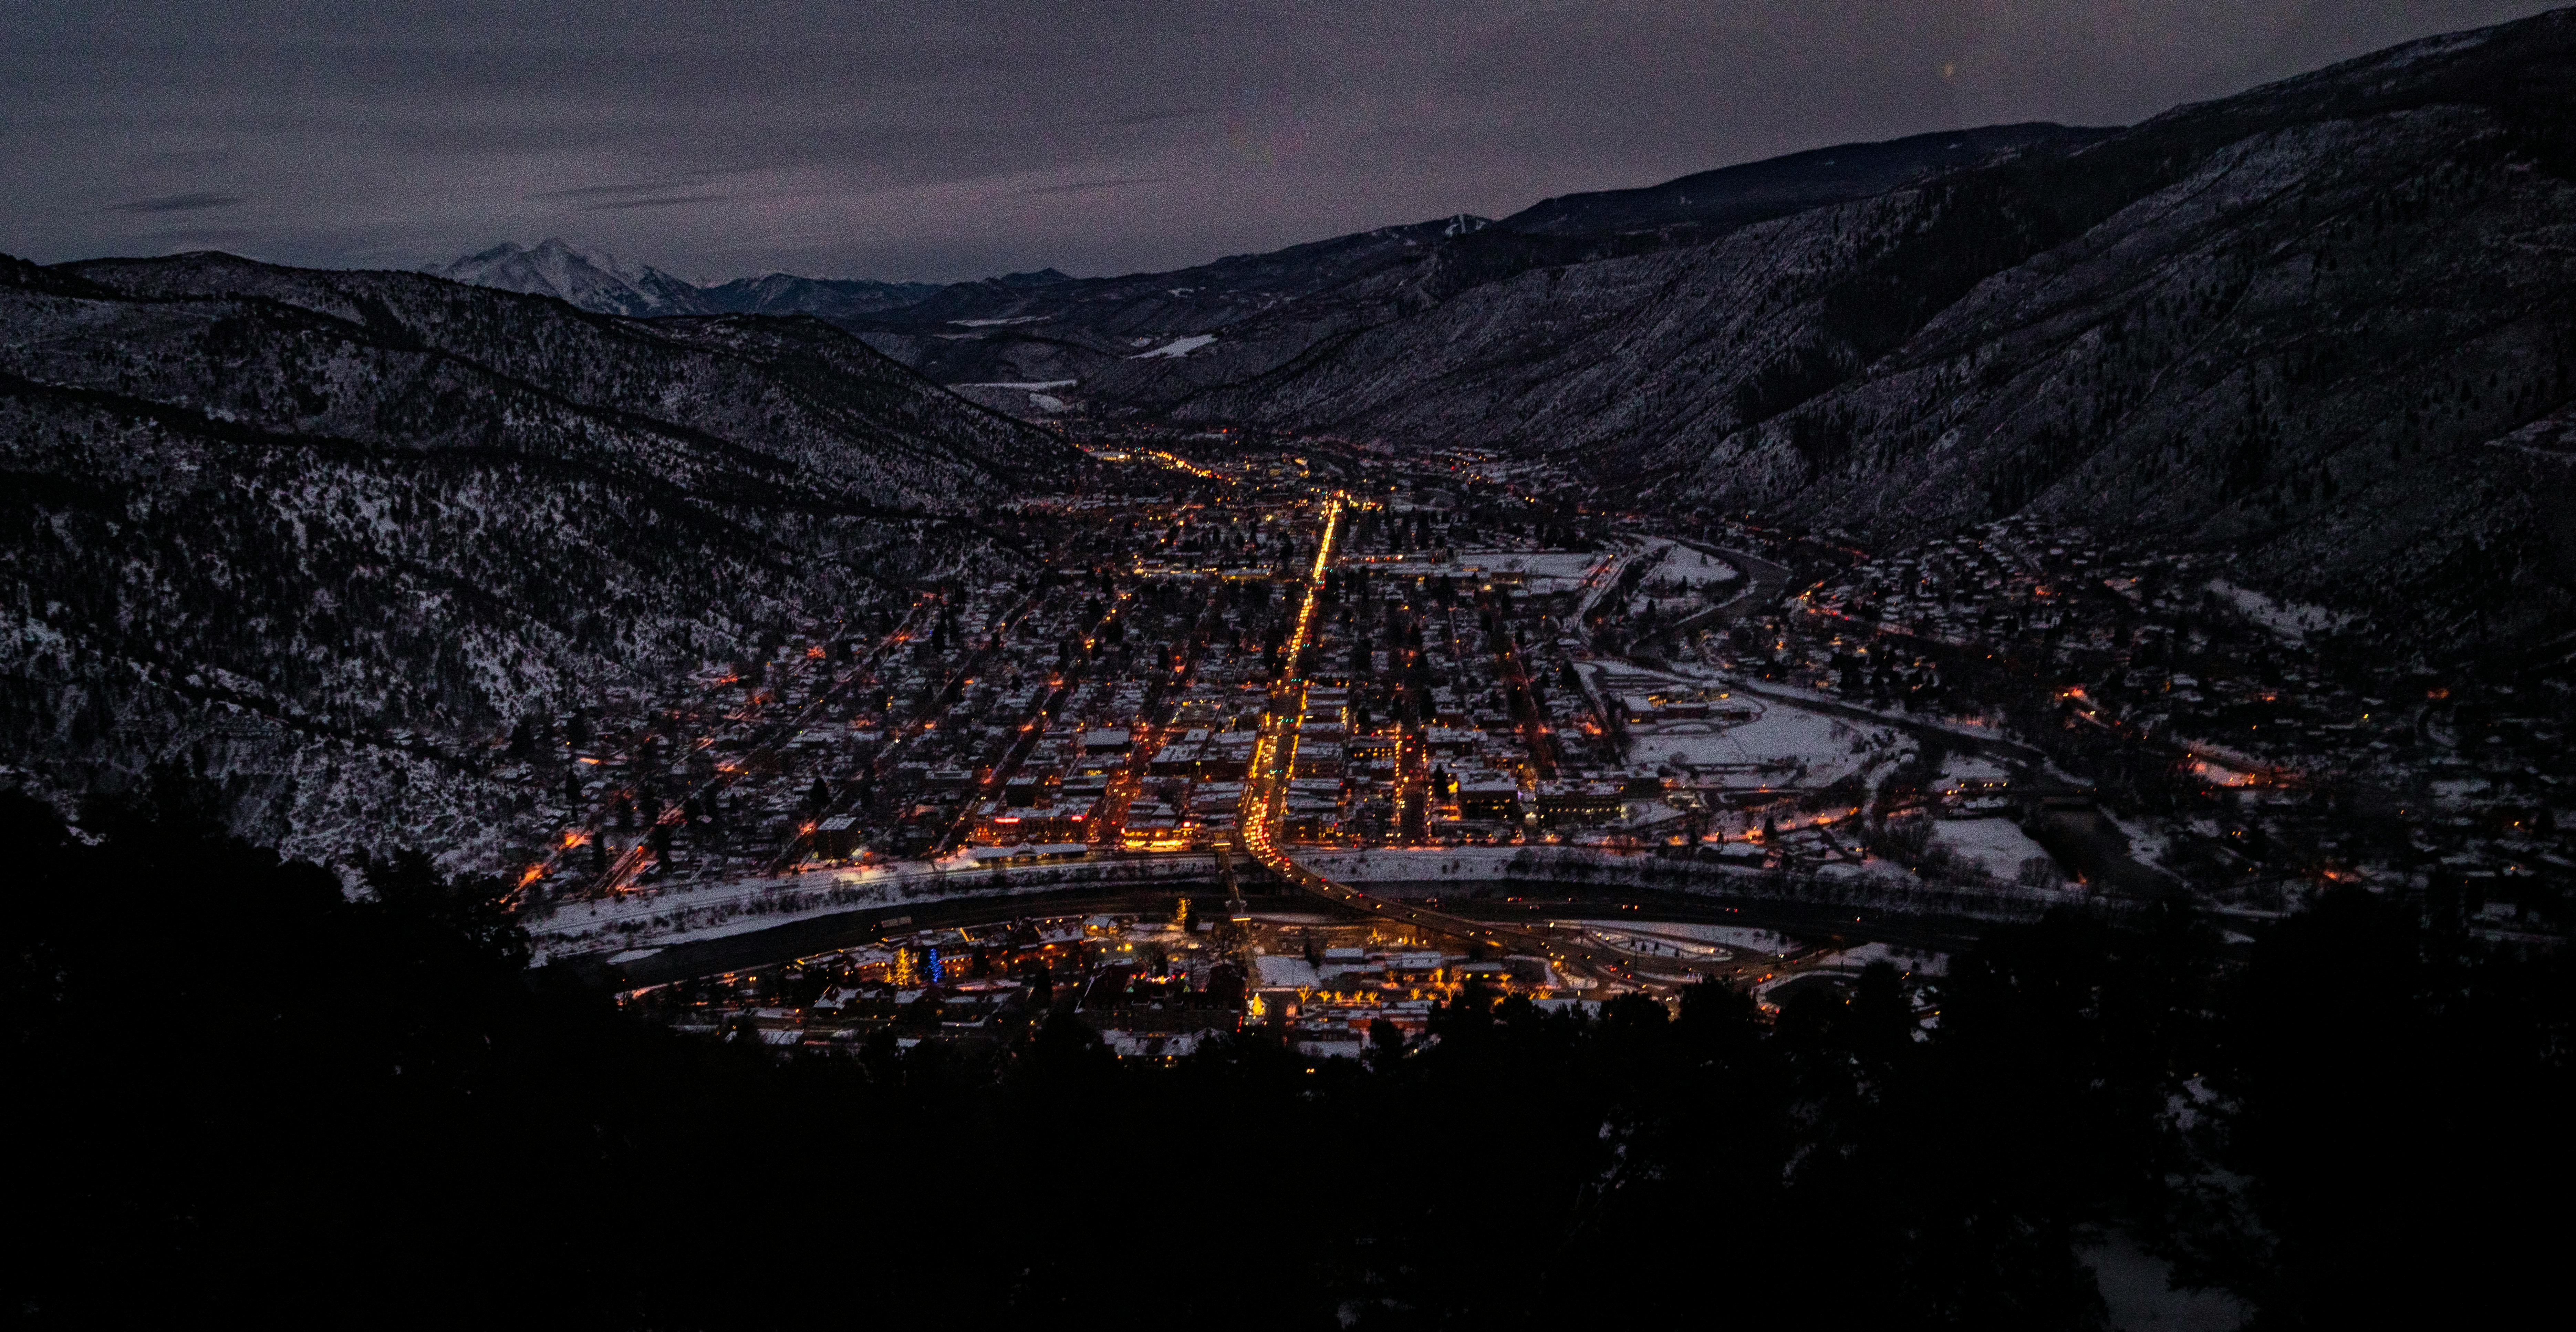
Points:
(242, 1097)
(2327, 324)
(319, 536)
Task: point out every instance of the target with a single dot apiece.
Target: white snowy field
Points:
(1694, 568)
(1773, 691)
(1788, 745)
(1997, 844)
(1681, 579)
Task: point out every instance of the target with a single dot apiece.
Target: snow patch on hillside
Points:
(2289, 619)
(1177, 347)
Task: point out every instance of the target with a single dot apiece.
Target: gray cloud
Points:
(1081, 186)
(611, 191)
(175, 203)
(1156, 117)
(665, 201)
(953, 138)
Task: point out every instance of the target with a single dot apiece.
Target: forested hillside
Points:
(2325, 324)
(323, 536)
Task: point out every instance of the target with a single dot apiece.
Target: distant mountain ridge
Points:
(833, 299)
(1252, 313)
(1707, 206)
(602, 283)
(1752, 192)
(590, 279)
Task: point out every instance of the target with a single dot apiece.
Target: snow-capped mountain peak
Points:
(591, 279)
(599, 281)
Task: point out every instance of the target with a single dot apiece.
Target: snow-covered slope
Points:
(590, 279)
(604, 284)
(321, 536)
(1263, 311)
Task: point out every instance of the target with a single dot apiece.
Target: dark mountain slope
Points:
(602, 284)
(1095, 336)
(323, 536)
(1026, 340)
(1612, 356)
(1738, 196)
(1087, 338)
(1265, 311)
(2314, 350)
(798, 390)
(2184, 326)
(1705, 207)
(834, 299)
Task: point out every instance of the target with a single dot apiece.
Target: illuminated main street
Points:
(1265, 808)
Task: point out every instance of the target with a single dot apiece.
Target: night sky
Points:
(950, 140)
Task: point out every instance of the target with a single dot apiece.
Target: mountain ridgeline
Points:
(2325, 325)
(607, 285)
(1021, 341)
(318, 536)
(2328, 325)
(1157, 342)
